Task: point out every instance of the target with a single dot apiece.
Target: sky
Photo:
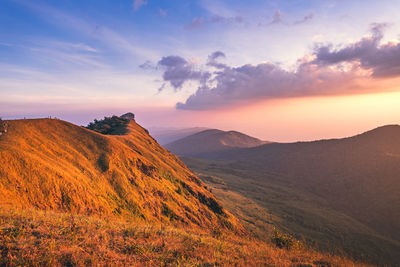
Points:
(278, 70)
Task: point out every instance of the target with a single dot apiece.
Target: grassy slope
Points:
(40, 238)
(71, 196)
(52, 164)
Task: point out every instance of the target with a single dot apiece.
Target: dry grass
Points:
(39, 238)
(55, 165)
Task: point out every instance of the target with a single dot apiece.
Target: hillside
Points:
(341, 193)
(210, 141)
(53, 164)
(165, 135)
(70, 196)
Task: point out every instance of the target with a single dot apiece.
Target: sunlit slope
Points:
(211, 141)
(53, 164)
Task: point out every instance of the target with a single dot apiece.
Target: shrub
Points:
(109, 125)
(284, 240)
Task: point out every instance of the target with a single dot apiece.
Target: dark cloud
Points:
(383, 60)
(264, 81)
(216, 55)
(212, 60)
(178, 70)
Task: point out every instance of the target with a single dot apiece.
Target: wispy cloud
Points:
(196, 23)
(101, 33)
(277, 17)
(163, 13)
(137, 4)
(306, 18)
(199, 22)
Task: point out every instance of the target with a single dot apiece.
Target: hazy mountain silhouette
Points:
(210, 141)
(166, 135)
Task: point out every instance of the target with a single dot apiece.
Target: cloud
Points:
(138, 4)
(216, 55)
(199, 22)
(226, 20)
(265, 81)
(148, 65)
(162, 12)
(212, 60)
(382, 60)
(89, 29)
(306, 18)
(195, 24)
(178, 70)
(351, 69)
(277, 17)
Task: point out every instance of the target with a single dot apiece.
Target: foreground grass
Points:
(43, 238)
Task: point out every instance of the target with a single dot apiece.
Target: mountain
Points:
(54, 165)
(341, 193)
(210, 141)
(166, 135)
(108, 194)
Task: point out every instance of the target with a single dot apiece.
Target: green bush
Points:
(109, 125)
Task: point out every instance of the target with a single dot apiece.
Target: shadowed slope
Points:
(52, 164)
(358, 175)
(210, 141)
(342, 193)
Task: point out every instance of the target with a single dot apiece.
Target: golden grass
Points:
(46, 238)
(54, 165)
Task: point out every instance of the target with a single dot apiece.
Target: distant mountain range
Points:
(343, 193)
(211, 141)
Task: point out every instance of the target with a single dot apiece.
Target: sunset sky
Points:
(278, 70)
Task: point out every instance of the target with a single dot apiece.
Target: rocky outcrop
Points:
(129, 116)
